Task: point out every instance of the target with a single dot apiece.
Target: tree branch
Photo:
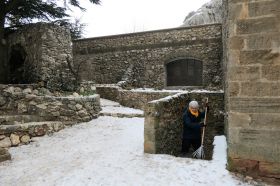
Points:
(11, 5)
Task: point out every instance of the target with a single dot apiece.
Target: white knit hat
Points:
(194, 104)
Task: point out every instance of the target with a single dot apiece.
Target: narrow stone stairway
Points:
(114, 109)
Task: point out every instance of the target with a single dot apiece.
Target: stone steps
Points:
(121, 112)
(121, 115)
(114, 109)
(19, 119)
(106, 103)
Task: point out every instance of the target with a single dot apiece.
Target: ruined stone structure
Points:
(252, 65)
(39, 53)
(150, 59)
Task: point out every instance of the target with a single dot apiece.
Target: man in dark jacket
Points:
(192, 122)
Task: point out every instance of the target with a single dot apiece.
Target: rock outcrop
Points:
(210, 12)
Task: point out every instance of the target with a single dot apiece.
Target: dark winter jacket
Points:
(192, 125)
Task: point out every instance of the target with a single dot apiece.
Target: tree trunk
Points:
(3, 53)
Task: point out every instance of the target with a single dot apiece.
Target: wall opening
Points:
(184, 72)
(17, 65)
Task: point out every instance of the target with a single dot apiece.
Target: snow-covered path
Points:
(108, 151)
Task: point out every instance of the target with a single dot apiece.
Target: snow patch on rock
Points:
(209, 13)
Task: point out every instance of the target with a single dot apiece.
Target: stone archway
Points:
(184, 72)
(17, 65)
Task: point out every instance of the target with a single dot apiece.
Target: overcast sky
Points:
(126, 16)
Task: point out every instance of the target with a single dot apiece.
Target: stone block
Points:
(3, 151)
(58, 126)
(239, 1)
(244, 73)
(244, 166)
(149, 147)
(254, 26)
(236, 43)
(263, 8)
(271, 73)
(233, 58)
(235, 11)
(263, 57)
(2, 101)
(14, 139)
(239, 119)
(233, 89)
(5, 143)
(263, 41)
(25, 139)
(260, 89)
(269, 169)
(252, 143)
(5, 157)
(40, 130)
(264, 120)
(254, 105)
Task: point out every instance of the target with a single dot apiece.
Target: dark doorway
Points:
(16, 63)
(184, 72)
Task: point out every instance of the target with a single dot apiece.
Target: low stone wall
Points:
(110, 92)
(19, 100)
(16, 134)
(29, 110)
(164, 122)
(74, 109)
(131, 98)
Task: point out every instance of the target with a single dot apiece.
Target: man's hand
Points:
(202, 124)
(206, 105)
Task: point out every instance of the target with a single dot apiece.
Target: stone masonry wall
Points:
(30, 101)
(164, 122)
(47, 48)
(252, 86)
(27, 111)
(141, 57)
(131, 98)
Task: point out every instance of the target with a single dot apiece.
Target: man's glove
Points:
(202, 124)
(206, 105)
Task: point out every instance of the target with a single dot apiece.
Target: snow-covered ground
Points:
(109, 151)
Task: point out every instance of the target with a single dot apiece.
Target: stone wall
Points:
(164, 122)
(42, 103)
(43, 50)
(140, 58)
(131, 98)
(29, 110)
(252, 59)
